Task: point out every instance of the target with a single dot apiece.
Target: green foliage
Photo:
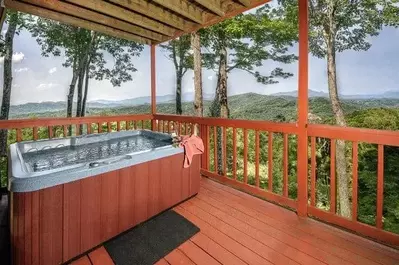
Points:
(56, 38)
(347, 25)
(21, 20)
(179, 53)
(251, 39)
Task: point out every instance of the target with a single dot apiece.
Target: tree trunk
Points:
(224, 108)
(80, 90)
(179, 78)
(344, 207)
(75, 75)
(7, 83)
(219, 107)
(83, 113)
(198, 98)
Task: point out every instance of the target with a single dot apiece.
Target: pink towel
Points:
(192, 145)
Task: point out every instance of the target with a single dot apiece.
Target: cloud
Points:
(46, 86)
(52, 70)
(16, 57)
(24, 69)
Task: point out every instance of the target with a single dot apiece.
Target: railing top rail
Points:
(43, 122)
(290, 128)
(354, 134)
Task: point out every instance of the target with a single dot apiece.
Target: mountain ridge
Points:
(50, 106)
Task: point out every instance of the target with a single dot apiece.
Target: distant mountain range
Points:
(319, 94)
(186, 97)
(54, 106)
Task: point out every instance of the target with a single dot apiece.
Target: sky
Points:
(38, 79)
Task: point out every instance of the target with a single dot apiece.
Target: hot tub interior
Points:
(85, 149)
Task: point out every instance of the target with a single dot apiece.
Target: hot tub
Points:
(70, 195)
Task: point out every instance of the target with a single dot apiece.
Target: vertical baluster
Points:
(118, 126)
(76, 129)
(245, 156)
(142, 124)
(224, 155)
(100, 129)
(355, 179)
(191, 128)
(177, 129)
(135, 125)
(207, 147)
(257, 158)
(35, 133)
(285, 165)
(159, 125)
(215, 151)
(333, 185)
(169, 122)
(185, 128)
(313, 172)
(50, 132)
(234, 153)
(109, 127)
(88, 128)
(270, 161)
(19, 135)
(380, 186)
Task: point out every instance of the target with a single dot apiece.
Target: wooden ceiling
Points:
(143, 21)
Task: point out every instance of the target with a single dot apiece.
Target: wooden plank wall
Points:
(56, 224)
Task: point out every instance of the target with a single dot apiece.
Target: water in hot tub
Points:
(68, 155)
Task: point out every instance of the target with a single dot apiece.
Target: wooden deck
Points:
(237, 228)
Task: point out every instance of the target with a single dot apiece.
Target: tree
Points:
(244, 43)
(336, 26)
(197, 66)
(16, 21)
(85, 53)
(179, 53)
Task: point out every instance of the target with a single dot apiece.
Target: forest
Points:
(243, 43)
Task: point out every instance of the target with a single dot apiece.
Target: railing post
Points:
(302, 175)
(153, 88)
(204, 135)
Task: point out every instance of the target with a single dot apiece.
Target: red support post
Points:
(303, 109)
(153, 87)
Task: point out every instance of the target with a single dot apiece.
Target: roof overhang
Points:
(143, 21)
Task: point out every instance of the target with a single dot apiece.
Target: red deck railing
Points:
(215, 166)
(62, 127)
(237, 163)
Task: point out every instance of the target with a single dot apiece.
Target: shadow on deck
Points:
(4, 230)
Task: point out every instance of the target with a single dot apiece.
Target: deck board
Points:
(100, 256)
(237, 228)
(82, 261)
(177, 257)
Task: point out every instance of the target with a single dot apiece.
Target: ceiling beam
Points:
(95, 17)
(216, 19)
(74, 21)
(183, 8)
(212, 5)
(245, 2)
(148, 9)
(124, 14)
